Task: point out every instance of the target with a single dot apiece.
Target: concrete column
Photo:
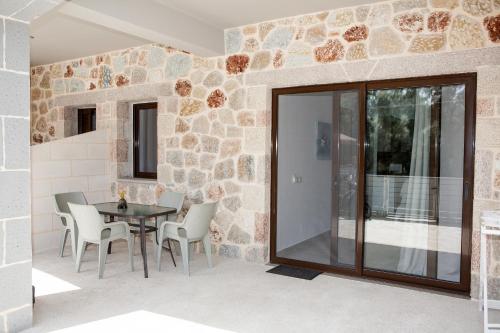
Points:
(15, 215)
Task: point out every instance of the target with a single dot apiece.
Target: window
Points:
(145, 140)
(86, 120)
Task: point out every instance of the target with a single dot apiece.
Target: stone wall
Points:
(77, 163)
(15, 235)
(384, 29)
(214, 113)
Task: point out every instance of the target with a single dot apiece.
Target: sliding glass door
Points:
(374, 179)
(317, 177)
(414, 190)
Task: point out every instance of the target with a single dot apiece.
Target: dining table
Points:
(136, 212)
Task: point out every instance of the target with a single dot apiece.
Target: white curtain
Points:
(415, 192)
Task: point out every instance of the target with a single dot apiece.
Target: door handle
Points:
(466, 190)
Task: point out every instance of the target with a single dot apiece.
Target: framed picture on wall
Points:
(323, 140)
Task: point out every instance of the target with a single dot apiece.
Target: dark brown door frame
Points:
(356, 86)
(469, 80)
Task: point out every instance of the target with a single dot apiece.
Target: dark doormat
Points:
(300, 273)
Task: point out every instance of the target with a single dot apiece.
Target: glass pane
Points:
(317, 177)
(147, 140)
(414, 181)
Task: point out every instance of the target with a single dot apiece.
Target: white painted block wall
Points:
(78, 163)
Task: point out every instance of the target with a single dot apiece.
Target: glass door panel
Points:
(414, 164)
(317, 177)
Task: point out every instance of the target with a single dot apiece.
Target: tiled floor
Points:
(234, 296)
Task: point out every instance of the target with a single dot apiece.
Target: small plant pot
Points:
(122, 204)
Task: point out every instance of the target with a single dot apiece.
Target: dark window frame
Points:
(136, 109)
(86, 117)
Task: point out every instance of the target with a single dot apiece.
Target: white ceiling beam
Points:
(169, 28)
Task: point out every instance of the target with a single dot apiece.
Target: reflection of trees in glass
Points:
(390, 122)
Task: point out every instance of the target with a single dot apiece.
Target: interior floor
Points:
(233, 296)
(376, 256)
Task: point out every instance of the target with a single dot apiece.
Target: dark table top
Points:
(134, 210)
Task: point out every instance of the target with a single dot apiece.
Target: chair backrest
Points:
(172, 199)
(62, 200)
(198, 218)
(88, 220)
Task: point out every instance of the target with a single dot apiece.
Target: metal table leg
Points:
(143, 246)
(111, 219)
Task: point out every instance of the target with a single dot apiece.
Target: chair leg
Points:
(158, 257)
(73, 243)
(208, 249)
(80, 251)
(64, 235)
(185, 254)
(103, 250)
(130, 242)
(171, 253)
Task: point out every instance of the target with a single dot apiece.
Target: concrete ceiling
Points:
(80, 28)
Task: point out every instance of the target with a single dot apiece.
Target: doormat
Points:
(299, 273)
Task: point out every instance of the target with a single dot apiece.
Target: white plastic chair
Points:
(61, 208)
(194, 228)
(92, 229)
(172, 200)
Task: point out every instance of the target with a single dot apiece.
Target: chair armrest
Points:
(111, 225)
(177, 224)
(67, 217)
(164, 224)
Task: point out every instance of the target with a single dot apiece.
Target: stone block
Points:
(1, 47)
(88, 168)
(34, 10)
(17, 240)
(17, 46)
(1, 244)
(44, 205)
(9, 7)
(487, 134)
(166, 125)
(256, 254)
(488, 80)
(69, 184)
(230, 251)
(40, 188)
(68, 151)
(16, 285)
(255, 140)
(330, 73)
(51, 169)
(97, 151)
(45, 241)
(43, 223)
(98, 183)
(14, 94)
(256, 98)
(19, 319)
(253, 197)
(1, 143)
(15, 194)
(483, 174)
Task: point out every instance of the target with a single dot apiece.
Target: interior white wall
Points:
(77, 163)
(304, 208)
